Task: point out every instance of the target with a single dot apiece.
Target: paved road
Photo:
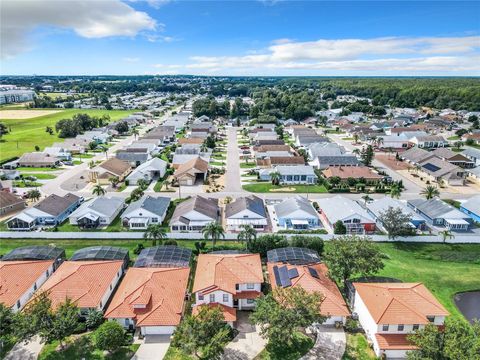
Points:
(232, 181)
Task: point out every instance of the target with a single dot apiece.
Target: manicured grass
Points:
(84, 348)
(176, 354)
(41, 176)
(301, 346)
(266, 187)
(247, 166)
(456, 137)
(26, 184)
(42, 169)
(347, 138)
(219, 157)
(358, 348)
(452, 202)
(218, 163)
(115, 226)
(31, 132)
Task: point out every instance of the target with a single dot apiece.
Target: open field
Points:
(25, 114)
(26, 133)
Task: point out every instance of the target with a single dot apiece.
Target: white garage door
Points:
(158, 330)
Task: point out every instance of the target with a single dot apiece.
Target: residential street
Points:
(232, 182)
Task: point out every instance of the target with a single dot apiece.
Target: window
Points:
(250, 286)
(384, 327)
(250, 301)
(225, 297)
(416, 327)
(174, 228)
(200, 296)
(431, 318)
(400, 327)
(18, 304)
(212, 297)
(154, 220)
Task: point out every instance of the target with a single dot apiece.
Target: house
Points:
(190, 140)
(100, 211)
(229, 281)
(71, 145)
(6, 186)
(454, 158)
(87, 283)
(268, 142)
(394, 142)
(296, 213)
(429, 141)
(51, 211)
(23, 270)
(110, 168)
(440, 170)
(415, 155)
(194, 214)
(244, 211)
(10, 203)
(291, 174)
(307, 139)
(324, 149)
(9, 174)
(188, 173)
(440, 214)
(134, 157)
(389, 312)
(59, 152)
(473, 137)
(150, 299)
(352, 172)
(349, 212)
(379, 206)
(148, 210)
(38, 159)
(152, 169)
(312, 277)
(274, 160)
(472, 154)
(471, 207)
(325, 161)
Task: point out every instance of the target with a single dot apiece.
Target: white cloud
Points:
(131, 59)
(90, 19)
(380, 55)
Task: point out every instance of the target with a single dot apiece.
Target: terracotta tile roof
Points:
(197, 165)
(115, 166)
(333, 304)
(224, 271)
(16, 277)
(394, 342)
(344, 172)
(162, 290)
(230, 314)
(399, 303)
(247, 295)
(84, 282)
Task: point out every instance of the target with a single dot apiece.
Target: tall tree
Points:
(155, 232)
(65, 321)
(213, 231)
(367, 154)
(396, 222)
(395, 191)
(98, 190)
(247, 234)
(109, 336)
(349, 256)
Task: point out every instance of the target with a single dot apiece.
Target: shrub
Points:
(310, 242)
(170, 242)
(264, 243)
(339, 228)
(109, 336)
(138, 249)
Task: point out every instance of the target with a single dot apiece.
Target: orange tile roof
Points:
(333, 303)
(394, 342)
(84, 282)
(230, 314)
(162, 290)
(399, 303)
(345, 172)
(16, 277)
(224, 271)
(247, 295)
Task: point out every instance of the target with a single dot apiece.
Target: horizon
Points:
(257, 38)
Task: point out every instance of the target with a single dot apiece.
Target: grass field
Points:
(266, 187)
(358, 348)
(26, 133)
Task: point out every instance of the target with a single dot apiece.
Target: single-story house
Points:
(324, 149)
(379, 206)
(38, 159)
(352, 172)
(134, 157)
(59, 152)
(194, 214)
(471, 207)
(394, 142)
(416, 155)
(152, 169)
(349, 212)
(429, 141)
(440, 170)
(454, 158)
(249, 210)
(472, 154)
(148, 210)
(51, 211)
(10, 203)
(291, 174)
(100, 211)
(109, 168)
(296, 213)
(439, 213)
(326, 161)
(188, 173)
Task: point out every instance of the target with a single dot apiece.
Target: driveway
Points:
(153, 347)
(330, 344)
(22, 351)
(248, 343)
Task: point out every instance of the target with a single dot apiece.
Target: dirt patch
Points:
(288, 189)
(391, 162)
(25, 114)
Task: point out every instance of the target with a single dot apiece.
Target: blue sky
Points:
(240, 37)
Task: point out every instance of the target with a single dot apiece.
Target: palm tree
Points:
(142, 183)
(155, 232)
(135, 133)
(98, 190)
(34, 194)
(355, 138)
(227, 200)
(275, 177)
(213, 231)
(366, 198)
(114, 180)
(247, 234)
(204, 147)
(395, 191)
(446, 234)
(91, 164)
(430, 192)
(356, 151)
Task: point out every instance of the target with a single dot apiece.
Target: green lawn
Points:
(218, 163)
(84, 348)
(176, 354)
(301, 346)
(26, 184)
(247, 166)
(456, 137)
(358, 348)
(41, 176)
(115, 226)
(265, 187)
(31, 132)
(42, 169)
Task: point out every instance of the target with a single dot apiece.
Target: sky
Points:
(234, 38)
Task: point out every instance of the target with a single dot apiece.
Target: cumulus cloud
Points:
(379, 55)
(89, 19)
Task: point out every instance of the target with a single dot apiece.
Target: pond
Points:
(469, 304)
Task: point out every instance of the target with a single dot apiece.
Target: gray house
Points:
(291, 174)
(152, 169)
(148, 210)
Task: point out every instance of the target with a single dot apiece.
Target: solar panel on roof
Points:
(431, 167)
(35, 252)
(284, 279)
(164, 256)
(277, 276)
(293, 273)
(293, 255)
(313, 272)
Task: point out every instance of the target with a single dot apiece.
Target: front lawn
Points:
(217, 163)
(266, 187)
(42, 169)
(300, 347)
(84, 348)
(456, 137)
(40, 176)
(358, 348)
(244, 165)
(115, 226)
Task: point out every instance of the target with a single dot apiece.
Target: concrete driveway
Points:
(329, 345)
(153, 347)
(248, 343)
(28, 351)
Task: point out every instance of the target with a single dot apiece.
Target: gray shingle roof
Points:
(208, 207)
(288, 206)
(55, 205)
(156, 205)
(295, 170)
(436, 208)
(252, 203)
(347, 160)
(103, 205)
